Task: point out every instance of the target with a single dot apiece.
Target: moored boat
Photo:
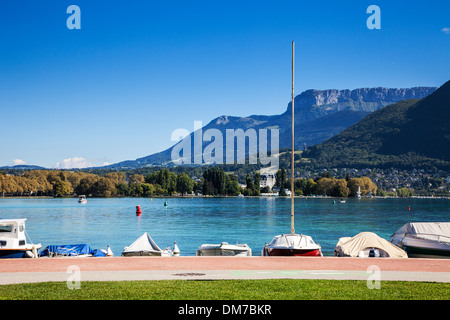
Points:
(224, 249)
(145, 246)
(74, 250)
(82, 199)
(367, 245)
(424, 239)
(13, 242)
(292, 244)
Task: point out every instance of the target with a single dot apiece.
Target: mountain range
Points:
(319, 115)
(408, 134)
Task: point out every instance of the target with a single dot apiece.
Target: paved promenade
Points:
(212, 268)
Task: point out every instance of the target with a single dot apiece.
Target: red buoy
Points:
(138, 210)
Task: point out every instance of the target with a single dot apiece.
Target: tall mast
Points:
(292, 153)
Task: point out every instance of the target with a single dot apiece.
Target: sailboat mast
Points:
(292, 153)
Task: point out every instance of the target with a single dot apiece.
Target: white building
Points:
(267, 180)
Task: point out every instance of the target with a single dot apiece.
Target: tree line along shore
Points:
(214, 182)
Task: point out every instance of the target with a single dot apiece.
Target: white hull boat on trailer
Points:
(224, 249)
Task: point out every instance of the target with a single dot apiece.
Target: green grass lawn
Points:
(280, 289)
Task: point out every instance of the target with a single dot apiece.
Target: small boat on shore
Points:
(145, 246)
(367, 245)
(13, 242)
(74, 250)
(292, 244)
(224, 249)
(424, 239)
(82, 199)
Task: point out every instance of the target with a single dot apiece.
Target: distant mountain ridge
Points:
(409, 134)
(319, 115)
(22, 167)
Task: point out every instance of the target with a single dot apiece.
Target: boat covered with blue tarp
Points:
(72, 250)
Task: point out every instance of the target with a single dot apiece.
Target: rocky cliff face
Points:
(319, 115)
(408, 134)
(317, 102)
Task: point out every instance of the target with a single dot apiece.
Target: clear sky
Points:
(118, 87)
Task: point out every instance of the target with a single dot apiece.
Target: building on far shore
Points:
(267, 180)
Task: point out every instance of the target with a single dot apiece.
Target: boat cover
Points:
(352, 246)
(143, 243)
(435, 231)
(71, 250)
(292, 241)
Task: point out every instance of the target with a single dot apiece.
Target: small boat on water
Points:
(292, 244)
(145, 246)
(74, 250)
(224, 249)
(367, 245)
(13, 242)
(82, 199)
(424, 239)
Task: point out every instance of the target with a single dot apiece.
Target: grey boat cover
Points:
(143, 243)
(352, 246)
(435, 231)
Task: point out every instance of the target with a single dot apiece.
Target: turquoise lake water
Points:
(195, 221)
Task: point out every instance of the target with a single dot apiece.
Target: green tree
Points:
(136, 178)
(136, 189)
(310, 187)
(184, 183)
(86, 184)
(104, 187)
(123, 189)
(250, 185)
(404, 192)
(256, 187)
(148, 189)
(60, 188)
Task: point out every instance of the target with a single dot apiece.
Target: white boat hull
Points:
(424, 239)
(292, 245)
(162, 253)
(224, 249)
(421, 248)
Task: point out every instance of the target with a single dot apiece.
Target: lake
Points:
(195, 221)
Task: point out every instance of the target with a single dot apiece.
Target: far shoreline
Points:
(218, 196)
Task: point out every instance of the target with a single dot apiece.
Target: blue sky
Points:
(137, 70)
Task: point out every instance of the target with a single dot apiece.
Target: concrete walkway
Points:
(213, 268)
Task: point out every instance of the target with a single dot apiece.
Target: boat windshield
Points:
(6, 228)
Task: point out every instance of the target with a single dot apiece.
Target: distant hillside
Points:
(319, 115)
(409, 134)
(22, 167)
